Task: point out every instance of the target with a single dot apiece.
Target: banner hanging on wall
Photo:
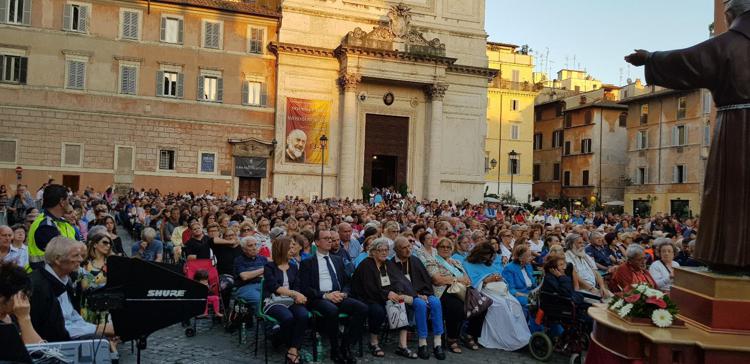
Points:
(306, 122)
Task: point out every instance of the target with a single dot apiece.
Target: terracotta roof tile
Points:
(232, 6)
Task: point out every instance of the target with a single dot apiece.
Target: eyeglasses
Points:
(381, 250)
(445, 247)
(105, 242)
(245, 230)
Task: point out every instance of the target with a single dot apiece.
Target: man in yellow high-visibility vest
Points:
(49, 224)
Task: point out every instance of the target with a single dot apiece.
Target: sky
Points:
(597, 33)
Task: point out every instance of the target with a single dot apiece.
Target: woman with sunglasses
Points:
(94, 269)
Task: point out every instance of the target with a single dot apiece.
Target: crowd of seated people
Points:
(320, 259)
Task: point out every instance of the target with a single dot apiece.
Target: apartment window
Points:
(72, 155)
(537, 115)
(207, 162)
(586, 146)
(568, 120)
(515, 132)
(16, 11)
(557, 139)
(171, 29)
(623, 120)
(707, 102)
(256, 40)
(8, 151)
(680, 174)
(681, 107)
(707, 134)
(128, 79)
(14, 68)
(559, 110)
(567, 149)
(537, 171)
(169, 84)
(644, 113)
(585, 178)
(538, 141)
(254, 93)
(514, 105)
(210, 88)
(641, 178)
(679, 135)
(212, 35)
(130, 20)
(76, 17)
(588, 117)
(75, 74)
(556, 172)
(641, 140)
(166, 159)
(516, 74)
(566, 178)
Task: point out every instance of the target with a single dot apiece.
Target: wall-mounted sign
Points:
(250, 167)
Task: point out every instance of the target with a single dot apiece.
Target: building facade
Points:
(669, 135)
(510, 122)
(398, 90)
(177, 95)
(578, 144)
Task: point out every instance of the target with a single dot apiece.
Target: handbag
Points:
(458, 289)
(396, 313)
(476, 303)
(275, 299)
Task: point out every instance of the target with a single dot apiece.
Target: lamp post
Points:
(323, 144)
(513, 159)
(493, 164)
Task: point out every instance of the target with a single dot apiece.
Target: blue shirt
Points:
(600, 255)
(149, 254)
(244, 264)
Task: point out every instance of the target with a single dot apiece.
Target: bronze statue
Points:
(721, 65)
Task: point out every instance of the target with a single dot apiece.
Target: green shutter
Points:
(160, 83)
(67, 19)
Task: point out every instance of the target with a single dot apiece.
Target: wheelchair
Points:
(557, 325)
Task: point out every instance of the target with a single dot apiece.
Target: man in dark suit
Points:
(323, 280)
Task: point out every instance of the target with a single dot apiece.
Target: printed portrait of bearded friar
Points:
(295, 146)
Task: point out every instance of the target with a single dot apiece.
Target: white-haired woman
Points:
(662, 270)
(149, 248)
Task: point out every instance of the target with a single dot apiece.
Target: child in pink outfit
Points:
(212, 300)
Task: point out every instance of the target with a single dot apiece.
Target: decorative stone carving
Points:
(397, 31)
(251, 148)
(349, 81)
(436, 92)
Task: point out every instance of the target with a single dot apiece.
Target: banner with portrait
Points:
(306, 122)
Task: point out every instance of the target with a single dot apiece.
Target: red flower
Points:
(633, 298)
(657, 301)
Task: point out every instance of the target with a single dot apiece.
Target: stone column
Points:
(436, 93)
(347, 186)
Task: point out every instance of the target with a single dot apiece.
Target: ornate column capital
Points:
(436, 92)
(349, 81)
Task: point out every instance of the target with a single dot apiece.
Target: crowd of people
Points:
(367, 259)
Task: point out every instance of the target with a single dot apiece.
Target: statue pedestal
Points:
(715, 308)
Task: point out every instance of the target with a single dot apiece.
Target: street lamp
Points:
(323, 144)
(513, 159)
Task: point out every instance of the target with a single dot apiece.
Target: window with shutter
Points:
(252, 93)
(76, 17)
(16, 11)
(515, 132)
(169, 83)
(556, 172)
(681, 107)
(585, 178)
(166, 160)
(171, 30)
(208, 88)
(256, 39)
(8, 151)
(128, 79)
(76, 75)
(13, 69)
(130, 27)
(566, 178)
(72, 155)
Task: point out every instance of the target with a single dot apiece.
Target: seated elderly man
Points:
(589, 279)
(600, 252)
(52, 312)
(149, 248)
(633, 271)
(248, 271)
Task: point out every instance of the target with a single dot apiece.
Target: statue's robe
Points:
(721, 65)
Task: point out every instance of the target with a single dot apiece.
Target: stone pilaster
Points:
(436, 93)
(348, 83)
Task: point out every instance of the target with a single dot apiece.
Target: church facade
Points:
(374, 93)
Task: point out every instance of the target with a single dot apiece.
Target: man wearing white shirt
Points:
(324, 282)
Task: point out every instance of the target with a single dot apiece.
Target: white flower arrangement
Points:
(640, 288)
(618, 304)
(653, 293)
(661, 318)
(625, 310)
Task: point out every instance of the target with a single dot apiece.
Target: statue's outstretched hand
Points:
(637, 58)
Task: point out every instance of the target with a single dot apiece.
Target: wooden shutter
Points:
(674, 174)
(22, 70)
(180, 85)
(263, 94)
(201, 90)
(179, 31)
(130, 25)
(159, 83)
(207, 29)
(219, 89)
(83, 17)
(245, 92)
(67, 17)
(163, 31)
(3, 11)
(128, 81)
(686, 134)
(675, 136)
(26, 12)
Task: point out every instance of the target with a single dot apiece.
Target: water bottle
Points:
(320, 348)
(243, 334)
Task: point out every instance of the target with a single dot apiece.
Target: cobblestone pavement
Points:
(212, 344)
